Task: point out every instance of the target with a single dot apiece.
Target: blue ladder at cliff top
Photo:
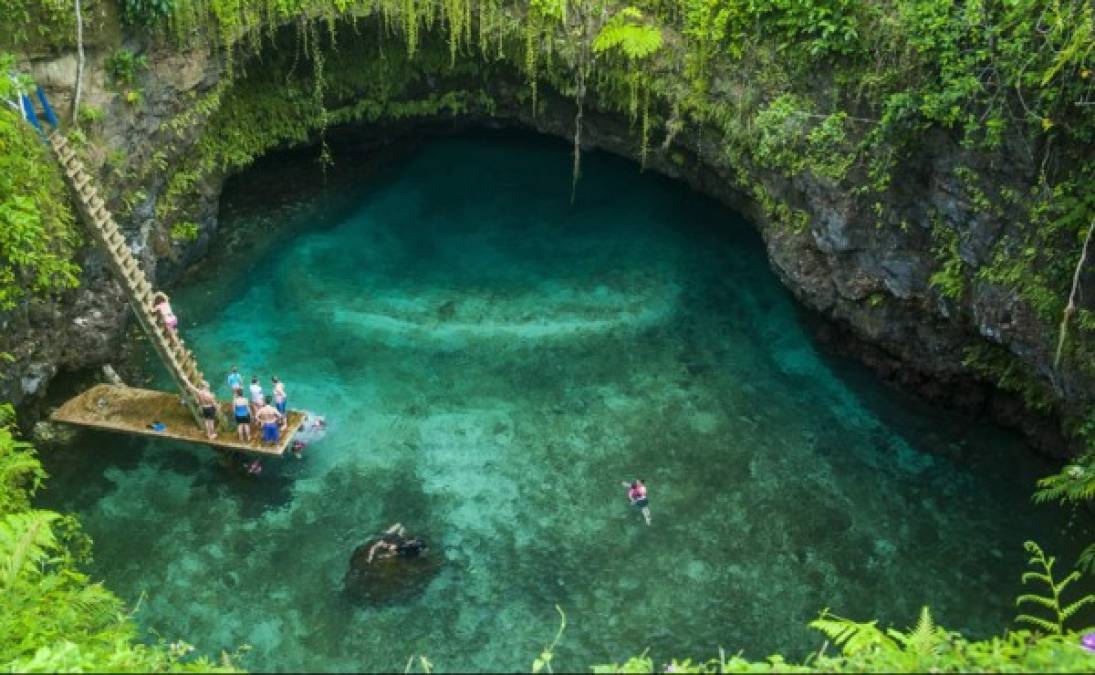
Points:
(117, 407)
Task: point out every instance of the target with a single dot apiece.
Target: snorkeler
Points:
(636, 492)
(395, 542)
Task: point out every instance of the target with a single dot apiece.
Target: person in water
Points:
(636, 492)
(235, 380)
(208, 404)
(257, 398)
(269, 418)
(161, 306)
(280, 399)
(242, 410)
(395, 542)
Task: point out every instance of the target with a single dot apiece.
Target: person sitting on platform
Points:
(269, 418)
(208, 404)
(242, 410)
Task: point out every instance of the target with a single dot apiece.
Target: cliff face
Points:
(875, 284)
(85, 327)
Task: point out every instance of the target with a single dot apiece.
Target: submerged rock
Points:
(50, 433)
(387, 580)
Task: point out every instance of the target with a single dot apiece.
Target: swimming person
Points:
(395, 542)
(257, 398)
(208, 404)
(280, 399)
(163, 308)
(235, 380)
(242, 410)
(269, 418)
(636, 492)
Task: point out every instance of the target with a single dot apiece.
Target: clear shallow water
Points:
(494, 361)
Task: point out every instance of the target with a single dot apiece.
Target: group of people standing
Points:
(272, 418)
(269, 412)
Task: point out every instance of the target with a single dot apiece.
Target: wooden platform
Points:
(132, 411)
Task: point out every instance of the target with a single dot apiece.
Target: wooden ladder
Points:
(179, 360)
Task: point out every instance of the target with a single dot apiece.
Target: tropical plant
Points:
(55, 618)
(1051, 600)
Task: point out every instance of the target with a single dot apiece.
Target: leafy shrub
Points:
(185, 231)
(38, 238)
(90, 114)
(147, 12)
(123, 66)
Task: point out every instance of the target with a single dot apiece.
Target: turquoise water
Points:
(493, 361)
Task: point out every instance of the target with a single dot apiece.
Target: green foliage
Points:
(146, 13)
(1074, 484)
(38, 239)
(55, 618)
(998, 366)
(123, 67)
(950, 278)
(543, 662)
(1051, 601)
(627, 32)
(185, 231)
(36, 22)
(90, 115)
(926, 647)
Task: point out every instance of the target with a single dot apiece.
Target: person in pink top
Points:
(636, 492)
(161, 305)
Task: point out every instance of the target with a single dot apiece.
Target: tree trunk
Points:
(79, 62)
(1070, 309)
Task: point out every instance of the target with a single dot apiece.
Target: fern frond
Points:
(853, 637)
(1073, 576)
(1086, 561)
(1037, 576)
(25, 538)
(1036, 599)
(626, 32)
(1045, 625)
(1068, 611)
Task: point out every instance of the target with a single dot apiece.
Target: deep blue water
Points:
(493, 362)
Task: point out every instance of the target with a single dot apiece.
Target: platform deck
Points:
(132, 411)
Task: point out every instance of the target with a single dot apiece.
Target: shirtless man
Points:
(269, 417)
(208, 404)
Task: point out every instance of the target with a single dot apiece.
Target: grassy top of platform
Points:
(133, 411)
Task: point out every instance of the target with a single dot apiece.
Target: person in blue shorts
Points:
(269, 417)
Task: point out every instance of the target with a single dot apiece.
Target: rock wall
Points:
(85, 328)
